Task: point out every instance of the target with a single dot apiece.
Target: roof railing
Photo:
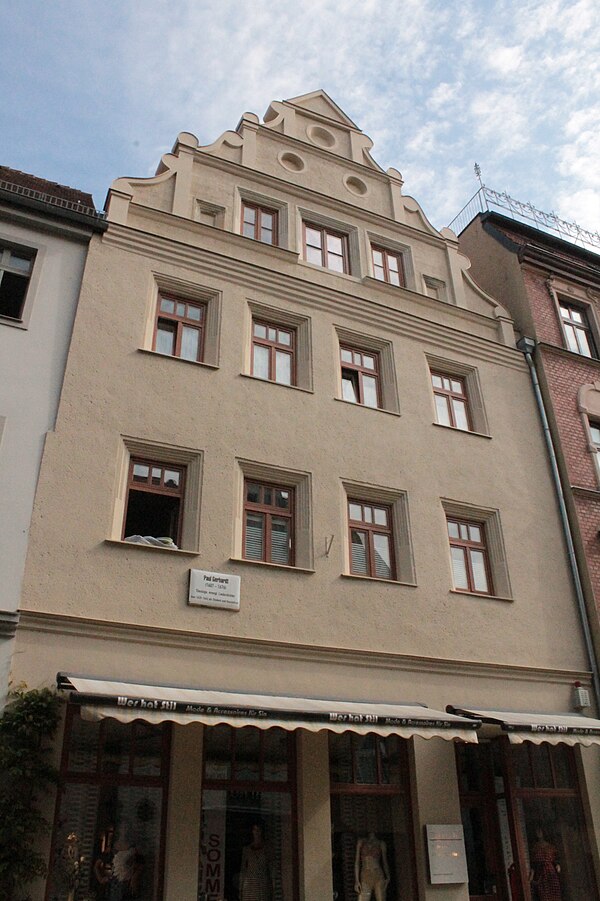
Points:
(71, 205)
(485, 200)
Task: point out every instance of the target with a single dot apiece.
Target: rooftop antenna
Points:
(477, 171)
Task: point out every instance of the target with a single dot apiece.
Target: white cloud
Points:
(505, 60)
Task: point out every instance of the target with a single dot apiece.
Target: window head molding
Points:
(250, 471)
(396, 501)
(303, 340)
(472, 386)
(183, 290)
(388, 385)
(494, 542)
(186, 460)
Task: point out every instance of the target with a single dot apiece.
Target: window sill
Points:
(151, 547)
(14, 323)
(453, 428)
(376, 579)
(350, 403)
(346, 275)
(256, 378)
(293, 569)
(475, 594)
(155, 353)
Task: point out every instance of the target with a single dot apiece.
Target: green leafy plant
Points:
(27, 726)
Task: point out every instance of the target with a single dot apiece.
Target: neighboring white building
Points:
(45, 229)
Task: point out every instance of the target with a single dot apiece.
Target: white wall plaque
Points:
(447, 858)
(214, 590)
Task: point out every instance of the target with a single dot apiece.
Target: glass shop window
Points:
(370, 818)
(108, 841)
(247, 836)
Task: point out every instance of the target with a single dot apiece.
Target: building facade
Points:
(45, 229)
(293, 510)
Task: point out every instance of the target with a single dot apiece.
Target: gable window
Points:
(576, 327)
(154, 507)
(180, 328)
(326, 248)
(469, 555)
(268, 523)
(360, 377)
(371, 540)
(259, 223)
(451, 403)
(273, 349)
(15, 270)
(387, 266)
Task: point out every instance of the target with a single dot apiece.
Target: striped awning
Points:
(128, 701)
(554, 728)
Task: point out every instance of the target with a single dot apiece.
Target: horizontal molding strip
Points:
(61, 624)
(362, 310)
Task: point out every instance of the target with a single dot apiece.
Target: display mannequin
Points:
(545, 869)
(256, 879)
(371, 870)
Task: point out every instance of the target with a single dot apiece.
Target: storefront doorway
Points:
(525, 833)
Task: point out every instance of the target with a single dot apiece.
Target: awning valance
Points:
(554, 728)
(127, 701)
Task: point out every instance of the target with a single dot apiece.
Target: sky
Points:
(96, 90)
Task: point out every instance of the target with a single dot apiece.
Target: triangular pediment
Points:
(320, 103)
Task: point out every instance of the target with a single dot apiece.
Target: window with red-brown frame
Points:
(451, 401)
(111, 809)
(469, 555)
(360, 376)
(268, 523)
(154, 505)
(577, 329)
(326, 248)
(260, 223)
(388, 266)
(371, 537)
(273, 352)
(180, 326)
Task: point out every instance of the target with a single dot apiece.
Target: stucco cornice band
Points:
(59, 624)
(364, 309)
(9, 621)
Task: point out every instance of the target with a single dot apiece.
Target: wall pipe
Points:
(527, 347)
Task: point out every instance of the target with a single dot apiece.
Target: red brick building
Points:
(552, 288)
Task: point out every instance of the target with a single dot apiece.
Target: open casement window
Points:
(15, 270)
(469, 555)
(371, 540)
(388, 266)
(154, 507)
(360, 377)
(259, 223)
(576, 327)
(180, 328)
(268, 523)
(273, 351)
(451, 402)
(326, 248)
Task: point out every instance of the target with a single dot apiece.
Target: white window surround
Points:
(397, 500)
(192, 459)
(301, 482)
(187, 290)
(472, 385)
(38, 253)
(284, 318)
(567, 294)
(310, 217)
(246, 195)
(403, 250)
(494, 543)
(588, 403)
(387, 370)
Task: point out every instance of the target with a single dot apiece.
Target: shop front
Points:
(267, 816)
